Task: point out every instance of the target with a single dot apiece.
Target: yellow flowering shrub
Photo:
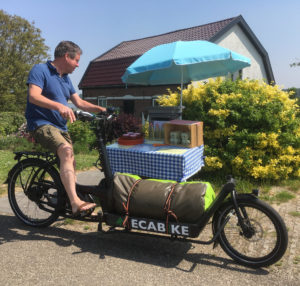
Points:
(213, 163)
(251, 129)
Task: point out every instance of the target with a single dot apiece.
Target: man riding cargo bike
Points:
(47, 113)
(248, 230)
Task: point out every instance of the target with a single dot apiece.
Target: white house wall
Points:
(236, 40)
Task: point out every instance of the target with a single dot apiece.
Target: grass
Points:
(69, 221)
(86, 161)
(273, 192)
(297, 259)
(3, 191)
(283, 196)
(292, 185)
(6, 163)
(295, 214)
(83, 162)
(279, 263)
(73, 222)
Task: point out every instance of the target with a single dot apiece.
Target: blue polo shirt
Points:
(54, 87)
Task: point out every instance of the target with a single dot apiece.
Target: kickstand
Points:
(100, 219)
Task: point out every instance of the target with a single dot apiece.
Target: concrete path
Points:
(76, 254)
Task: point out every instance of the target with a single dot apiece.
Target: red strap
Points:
(167, 208)
(126, 207)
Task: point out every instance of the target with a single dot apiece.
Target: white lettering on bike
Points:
(142, 224)
(151, 226)
(161, 227)
(184, 230)
(134, 223)
(176, 229)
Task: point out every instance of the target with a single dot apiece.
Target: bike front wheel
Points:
(34, 192)
(261, 241)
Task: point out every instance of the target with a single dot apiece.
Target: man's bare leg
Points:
(67, 175)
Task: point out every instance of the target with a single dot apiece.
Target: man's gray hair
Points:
(67, 47)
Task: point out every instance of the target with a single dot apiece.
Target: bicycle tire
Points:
(267, 240)
(35, 192)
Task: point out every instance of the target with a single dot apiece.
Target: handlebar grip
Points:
(110, 110)
(83, 115)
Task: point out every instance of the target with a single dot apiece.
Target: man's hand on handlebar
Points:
(67, 113)
(110, 110)
(109, 114)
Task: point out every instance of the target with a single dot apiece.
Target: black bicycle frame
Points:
(104, 192)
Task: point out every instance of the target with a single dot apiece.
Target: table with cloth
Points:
(161, 162)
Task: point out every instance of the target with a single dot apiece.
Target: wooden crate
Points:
(193, 128)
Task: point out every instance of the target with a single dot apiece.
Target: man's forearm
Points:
(38, 99)
(87, 106)
(44, 102)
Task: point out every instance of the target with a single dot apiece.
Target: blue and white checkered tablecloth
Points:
(163, 162)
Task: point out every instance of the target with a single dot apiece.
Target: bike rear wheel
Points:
(34, 192)
(264, 239)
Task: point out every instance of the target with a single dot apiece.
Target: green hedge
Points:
(10, 122)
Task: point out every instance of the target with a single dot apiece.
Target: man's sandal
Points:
(82, 211)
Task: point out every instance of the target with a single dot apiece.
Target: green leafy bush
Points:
(82, 136)
(293, 95)
(16, 143)
(251, 129)
(10, 122)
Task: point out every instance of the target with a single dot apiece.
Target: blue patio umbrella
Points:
(182, 62)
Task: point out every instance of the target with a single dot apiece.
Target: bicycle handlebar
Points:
(87, 116)
(83, 115)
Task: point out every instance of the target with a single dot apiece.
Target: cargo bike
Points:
(250, 231)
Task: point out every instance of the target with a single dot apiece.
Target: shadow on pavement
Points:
(151, 250)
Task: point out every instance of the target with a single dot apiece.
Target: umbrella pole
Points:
(181, 87)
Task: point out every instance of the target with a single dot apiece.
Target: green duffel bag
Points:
(160, 199)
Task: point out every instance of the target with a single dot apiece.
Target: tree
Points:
(295, 64)
(21, 47)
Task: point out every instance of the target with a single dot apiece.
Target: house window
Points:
(240, 74)
(154, 102)
(237, 75)
(128, 106)
(102, 101)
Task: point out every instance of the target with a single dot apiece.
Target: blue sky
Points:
(97, 26)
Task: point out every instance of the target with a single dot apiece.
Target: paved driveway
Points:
(76, 254)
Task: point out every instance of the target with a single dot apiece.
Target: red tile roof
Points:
(107, 69)
(106, 73)
(140, 46)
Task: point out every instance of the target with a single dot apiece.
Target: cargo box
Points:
(193, 128)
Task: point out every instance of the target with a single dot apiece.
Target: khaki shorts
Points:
(51, 137)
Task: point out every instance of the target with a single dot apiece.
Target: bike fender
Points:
(12, 170)
(246, 196)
